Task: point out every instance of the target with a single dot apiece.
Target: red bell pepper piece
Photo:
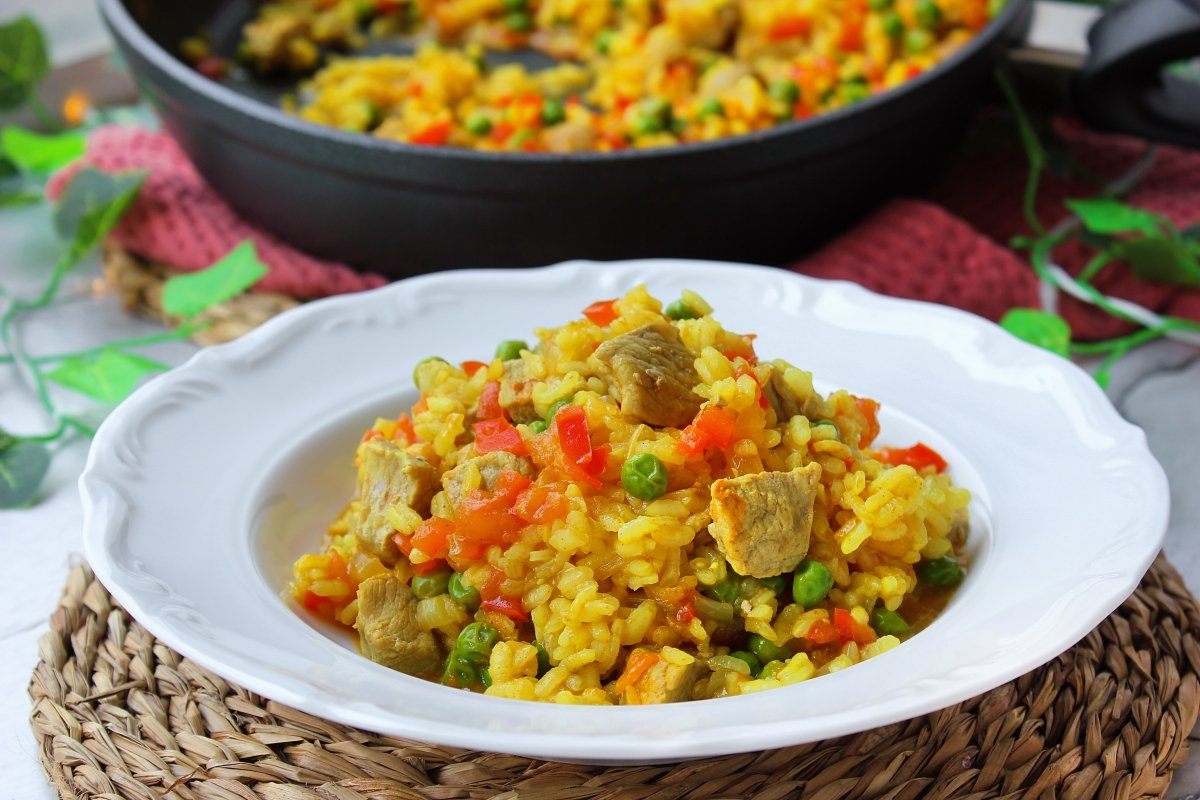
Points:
(851, 630)
(602, 312)
(435, 134)
(432, 537)
(471, 367)
(713, 427)
(870, 410)
(574, 440)
(919, 457)
(498, 434)
(489, 401)
(789, 27)
(508, 606)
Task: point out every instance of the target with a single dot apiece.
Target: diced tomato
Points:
(919, 457)
(540, 504)
(508, 606)
(404, 425)
(487, 518)
(601, 312)
(489, 402)
(870, 410)
(498, 434)
(435, 134)
(640, 661)
(851, 630)
(852, 34)
(713, 427)
(789, 27)
(822, 632)
(471, 367)
(432, 537)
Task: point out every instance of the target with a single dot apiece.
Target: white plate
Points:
(202, 487)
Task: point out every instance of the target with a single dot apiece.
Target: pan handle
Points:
(1127, 83)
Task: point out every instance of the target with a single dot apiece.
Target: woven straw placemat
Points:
(118, 714)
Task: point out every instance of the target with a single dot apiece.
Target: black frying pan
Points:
(400, 209)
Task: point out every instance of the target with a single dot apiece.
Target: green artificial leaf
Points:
(38, 152)
(108, 377)
(188, 295)
(7, 168)
(91, 206)
(1191, 232)
(20, 197)
(23, 60)
(1041, 328)
(1162, 260)
(1107, 215)
(23, 465)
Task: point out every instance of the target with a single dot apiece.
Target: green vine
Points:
(1149, 243)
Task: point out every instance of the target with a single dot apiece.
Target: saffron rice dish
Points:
(634, 509)
(629, 73)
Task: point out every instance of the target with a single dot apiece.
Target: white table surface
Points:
(1156, 387)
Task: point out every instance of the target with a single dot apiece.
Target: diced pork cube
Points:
(664, 682)
(653, 372)
(388, 630)
(516, 391)
(387, 476)
(490, 466)
(762, 522)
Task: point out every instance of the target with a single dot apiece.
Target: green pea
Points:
(516, 5)
(852, 92)
(543, 658)
(644, 126)
(811, 583)
(879, 5)
(766, 650)
(485, 677)
(893, 24)
(994, 7)
(943, 571)
(750, 659)
(918, 40)
(539, 426)
(654, 116)
(644, 476)
(553, 112)
(519, 21)
(417, 368)
(510, 349)
(710, 107)
(726, 591)
(478, 124)
(928, 13)
(521, 137)
(604, 42)
(775, 583)
(888, 623)
(466, 596)
(477, 640)
(785, 91)
(431, 585)
(680, 310)
(770, 669)
(460, 670)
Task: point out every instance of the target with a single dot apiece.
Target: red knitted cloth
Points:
(949, 248)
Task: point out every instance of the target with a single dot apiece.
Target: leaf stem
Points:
(1089, 272)
(61, 269)
(182, 332)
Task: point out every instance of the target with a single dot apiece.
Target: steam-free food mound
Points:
(634, 509)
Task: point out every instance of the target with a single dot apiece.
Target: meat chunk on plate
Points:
(784, 398)
(491, 466)
(762, 522)
(664, 682)
(653, 373)
(516, 391)
(388, 631)
(388, 476)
